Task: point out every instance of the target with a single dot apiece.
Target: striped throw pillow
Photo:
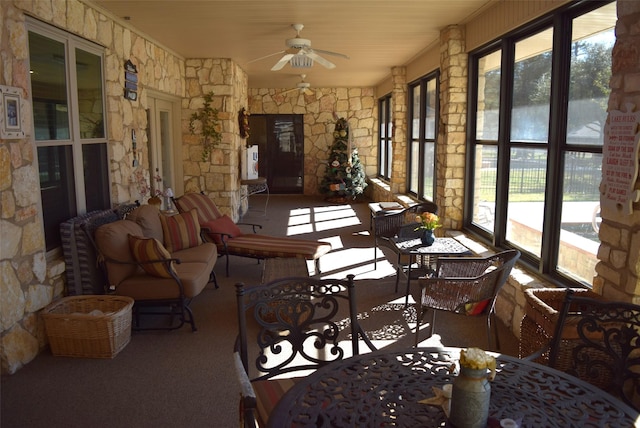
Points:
(147, 249)
(181, 231)
(207, 209)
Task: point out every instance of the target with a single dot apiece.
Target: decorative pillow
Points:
(147, 249)
(223, 224)
(475, 308)
(207, 209)
(181, 231)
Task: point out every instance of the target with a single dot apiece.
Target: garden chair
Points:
(299, 324)
(466, 285)
(387, 226)
(598, 341)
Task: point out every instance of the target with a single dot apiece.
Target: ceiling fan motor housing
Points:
(298, 43)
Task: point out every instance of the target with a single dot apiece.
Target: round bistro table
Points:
(383, 388)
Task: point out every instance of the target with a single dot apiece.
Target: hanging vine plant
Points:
(207, 116)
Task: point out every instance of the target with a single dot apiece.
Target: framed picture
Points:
(11, 123)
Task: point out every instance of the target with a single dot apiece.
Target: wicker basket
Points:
(73, 331)
(541, 315)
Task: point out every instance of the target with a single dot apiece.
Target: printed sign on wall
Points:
(620, 159)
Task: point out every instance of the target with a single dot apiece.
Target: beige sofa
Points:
(157, 260)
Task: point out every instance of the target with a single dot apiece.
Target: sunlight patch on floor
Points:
(308, 220)
(338, 223)
(356, 261)
(297, 220)
(300, 229)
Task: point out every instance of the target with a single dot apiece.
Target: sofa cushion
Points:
(148, 249)
(113, 242)
(148, 217)
(223, 224)
(206, 208)
(181, 231)
(194, 277)
(202, 253)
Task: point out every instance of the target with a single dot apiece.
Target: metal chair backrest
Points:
(599, 342)
(389, 225)
(301, 324)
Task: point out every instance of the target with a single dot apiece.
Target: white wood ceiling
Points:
(375, 34)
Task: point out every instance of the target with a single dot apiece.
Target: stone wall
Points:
(358, 105)
(618, 271)
(29, 279)
(218, 176)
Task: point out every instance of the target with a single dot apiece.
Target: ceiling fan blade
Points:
(265, 57)
(317, 58)
(307, 91)
(288, 91)
(331, 53)
(283, 61)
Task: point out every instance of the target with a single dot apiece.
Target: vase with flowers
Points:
(471, 391)
(427, 223)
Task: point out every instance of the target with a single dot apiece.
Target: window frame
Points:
(560, 21)
(422, 141)
(76, 142)
(385, 142)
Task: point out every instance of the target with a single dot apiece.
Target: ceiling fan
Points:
(300, 54)
(302, 87)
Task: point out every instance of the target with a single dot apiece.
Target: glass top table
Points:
(422, 259)
(383, 388)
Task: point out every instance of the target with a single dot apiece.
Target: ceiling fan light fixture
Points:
(301, 61)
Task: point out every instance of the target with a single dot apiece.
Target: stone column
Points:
(618, 269)
(450, 146)
(399, 137)
(219, 175)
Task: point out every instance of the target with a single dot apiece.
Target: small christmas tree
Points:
(344, 177)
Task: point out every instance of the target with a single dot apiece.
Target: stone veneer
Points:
(451, 144)
(618, 269)
(29, 280)
(219, 176)
(357, 105)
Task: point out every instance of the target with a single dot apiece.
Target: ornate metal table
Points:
(384, 388)
(422, 259)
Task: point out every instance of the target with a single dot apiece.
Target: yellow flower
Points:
(428, 221)
(477, 359)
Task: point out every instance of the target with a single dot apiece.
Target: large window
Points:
(385, 147)
(423, 129)
(69, 126)
(537, 111)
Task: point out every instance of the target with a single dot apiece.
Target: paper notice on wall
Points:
(620, 160)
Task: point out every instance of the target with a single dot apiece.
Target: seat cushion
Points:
(205, 207)
(265, 246)
(268, 393)
(148, 217)
(223, 224)
(181, 231)
(194, 277)
(202, 253)
(148, 249)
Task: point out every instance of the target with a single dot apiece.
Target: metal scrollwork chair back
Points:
(299, 325)
(598, 341)
(467, 286)
(387, 226)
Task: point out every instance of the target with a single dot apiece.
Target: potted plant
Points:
(209, 127)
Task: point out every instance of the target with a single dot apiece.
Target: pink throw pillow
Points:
(222, 224)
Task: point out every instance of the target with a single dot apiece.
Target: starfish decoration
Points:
(440, 399)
